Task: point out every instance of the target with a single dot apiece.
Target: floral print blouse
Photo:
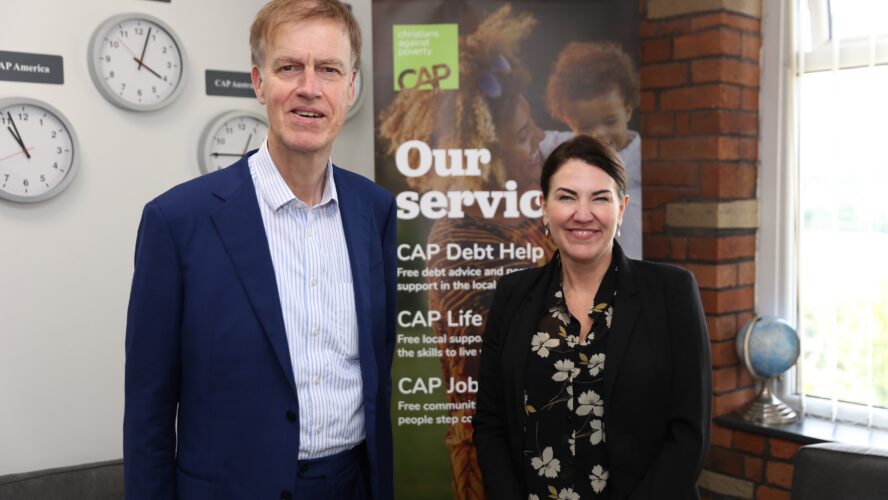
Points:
(564, 435)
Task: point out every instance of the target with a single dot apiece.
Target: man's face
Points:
(306, 83)
(605, 117)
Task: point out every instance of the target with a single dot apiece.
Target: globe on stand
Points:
(767, 347)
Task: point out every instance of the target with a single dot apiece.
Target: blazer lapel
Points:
(626, 310)
(353, 210)
(239, 225)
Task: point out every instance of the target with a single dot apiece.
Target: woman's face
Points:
(583, 209)
(520, 146)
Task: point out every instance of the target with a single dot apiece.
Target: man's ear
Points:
(256, 78)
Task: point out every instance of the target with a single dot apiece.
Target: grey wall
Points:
(66, 263)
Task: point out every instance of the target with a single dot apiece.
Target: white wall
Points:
(66, 263)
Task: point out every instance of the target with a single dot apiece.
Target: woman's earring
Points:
(618, 229)
(546, 229)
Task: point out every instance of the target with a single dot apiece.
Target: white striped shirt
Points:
(314, 282)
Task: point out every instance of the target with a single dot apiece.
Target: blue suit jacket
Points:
(211, 407)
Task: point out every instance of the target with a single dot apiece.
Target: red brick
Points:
(750, 46)
(648, 102)
(721, 248)
(714, 276)
(722, 404)
(657, 124)
(752, 468)
(721, 327)
(717, 96)
(650, 29)
(732, 300)
(723, 354)
(649, 149)
(725, 19)
(783, 449)
(746, 273)
(720, 41)
(654, 197)
(682, 123)
(670, 174)
(678, 249)
(656, 50)
(656, 247)
(728, 180)
(700, 148)
(721, 436)
(748, 442)
(726, 71)
(744, 378)
(779, 473)
(725, 461)
(654, 76)
(724, 379)
(749, 149)
(653, 221)
(769, 493)
(749, 99)
(724, 122)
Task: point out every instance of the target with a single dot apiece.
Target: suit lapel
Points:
(626, 311)
(239, 225)
(353, 210)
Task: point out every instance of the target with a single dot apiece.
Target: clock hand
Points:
(247, 144)
(15, 154)
(226, 154)
(16, 135)
(141, 64)
(145, 46)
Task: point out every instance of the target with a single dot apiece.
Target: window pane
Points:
(843, 247)
(858, 18)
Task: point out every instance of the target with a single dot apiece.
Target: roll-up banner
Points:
(470, 97)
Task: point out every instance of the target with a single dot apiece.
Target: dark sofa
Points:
(95, 481)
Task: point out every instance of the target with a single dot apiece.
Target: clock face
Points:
(228, 137)
(37, 150)
(136, 62)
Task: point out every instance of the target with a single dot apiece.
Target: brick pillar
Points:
(699, 124)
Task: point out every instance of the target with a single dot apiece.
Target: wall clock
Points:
(228, 137)
(137, 62)
(38, 150)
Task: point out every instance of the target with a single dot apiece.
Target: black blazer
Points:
(657, 387)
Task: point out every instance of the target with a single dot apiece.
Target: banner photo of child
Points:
(470, 96)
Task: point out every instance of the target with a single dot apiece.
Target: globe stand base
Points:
(767, 409)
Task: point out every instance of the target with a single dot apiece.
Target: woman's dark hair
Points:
(586, 149)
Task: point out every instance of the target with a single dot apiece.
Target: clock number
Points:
(55, 165)
(220, 140)
(107, 58)
(111, 74)
(139, 31)
(53, 133)
(26, 183)
(23, 116)
(139, 92)
(164, 50)
(114, 44)
(242, 126)
(58, 150)
(153, 89)
(42, 177)
(5, 177)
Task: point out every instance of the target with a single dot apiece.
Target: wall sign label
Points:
(229, 83)
(32, 68)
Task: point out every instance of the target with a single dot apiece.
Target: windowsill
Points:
(811, 430)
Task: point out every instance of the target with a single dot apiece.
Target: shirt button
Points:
(318, 430)
(291, 417)
(309, 233)
(314, 282)
(286, 495)
(317, 380)
(314, 332)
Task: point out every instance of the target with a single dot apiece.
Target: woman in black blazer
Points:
(595, 370)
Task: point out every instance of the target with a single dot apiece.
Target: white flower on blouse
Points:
(590, 401)
(597, 435)
(599, 478)
(566, 370)
(559, 313)
(533, 496)
(609, 316)
(568, 494)
(573, 441)
(596, 364)
(541, 343)
(572, 341)
(547, 465)
(570, 398)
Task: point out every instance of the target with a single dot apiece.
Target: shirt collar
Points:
(273, 188)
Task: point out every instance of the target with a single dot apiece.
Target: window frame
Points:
(778, 253)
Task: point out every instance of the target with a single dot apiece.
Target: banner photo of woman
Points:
(470, 98)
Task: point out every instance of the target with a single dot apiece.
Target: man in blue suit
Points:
(260, 331)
